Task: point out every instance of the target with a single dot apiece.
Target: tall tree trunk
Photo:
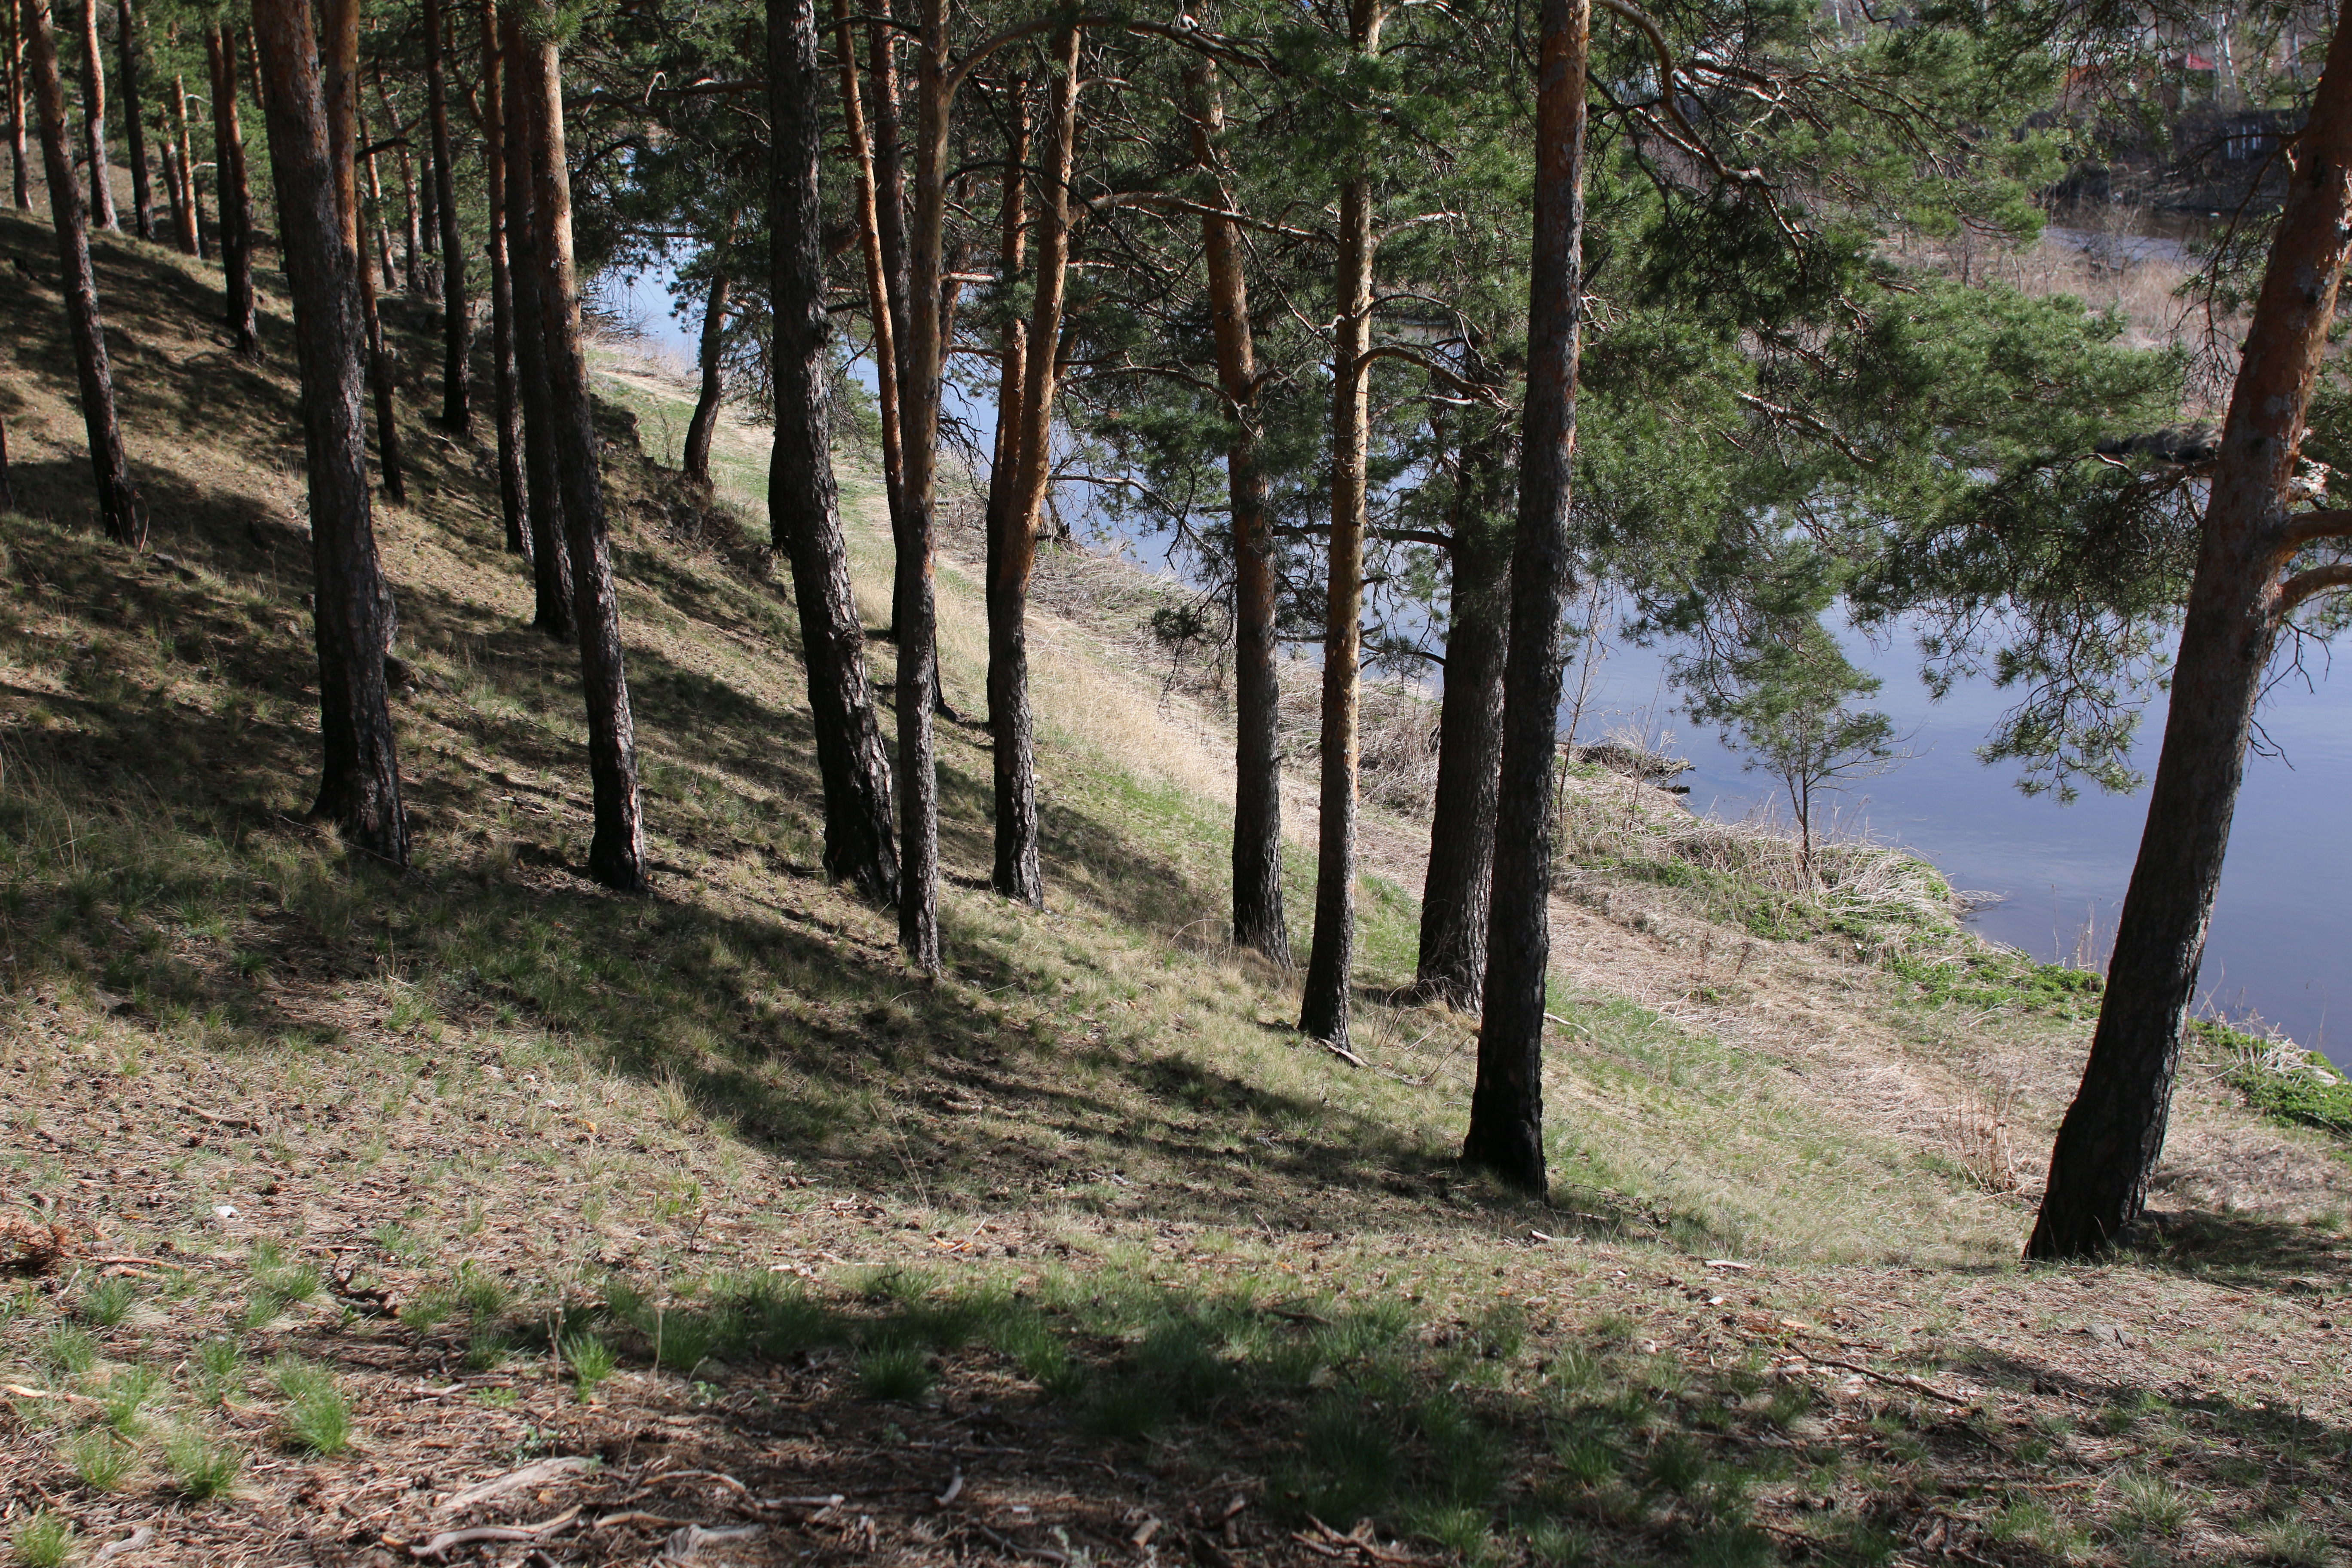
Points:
(1324, 1013)
(877, 292)
(512, 502)
(803, 515)
(20, 181)
(1018, 874)
(704, 423)
(93, 117)
(188, 217)
(1258, 919)
(2114, 1131)
(616, 855)
(1453, 900)
(413, 257)
(143, 194)
(456, 355)
(1506, 1133)
(890, 186)
(233, 192)
(373, 217)
(551, 557)
(339, 60)
(1003, 471)
(119, 507)
(360, 787)
(913, 595)
(171, 188)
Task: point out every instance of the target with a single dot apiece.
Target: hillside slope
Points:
(378, 1187)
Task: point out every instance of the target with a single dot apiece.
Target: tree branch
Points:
(2318, 580)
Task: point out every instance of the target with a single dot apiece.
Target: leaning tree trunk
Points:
(704, 423)
(119, 508)
(93, 117)
(20, 181)
(1505, 1133)
(616, 854)
(1018, 874)
(512, 502)
(803, 515)
(890, 219)
(877, 287)
(1258, 919)
(551, 557)
(360, 788)
(1453, 900)
(456, 357)
(143, 192)
(339, 59)
(188, 217)
(2114, 1131)
(1324, 1012)
(233, 193)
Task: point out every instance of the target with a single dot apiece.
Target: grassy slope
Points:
(1083, 1223)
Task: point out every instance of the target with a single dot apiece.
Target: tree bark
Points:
(616, 855)
(20, 181)
(186, 215)
(412, 261)
(1453, 900)
(1004, 482)
(1332, 959)
(1506, 1133)
(877, 288)
(375, 209)
(1018, 874)
(1258, 918)
(803, 519)
(456, 336)
(93, 117)
(339, 60)
(2114, 1131)
(512, 502)
(143, 194)
(233, 193)
(119, 508)
(360, 787)
(704, 423)
(550, 559)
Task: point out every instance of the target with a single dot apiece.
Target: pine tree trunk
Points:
(891, 189)
(1330, 961)
(704, 423)
(20, 177)
(878, 289)
(163, 155)
(373, 217)
(2114, 1131)
(512, 502)
(1018, 874)
(804, 521)
(1004, 461)
(915, 609)
(359, 790)
(551, 557)
(1506, 1133)
(616, 856)
(339, 60)
(119, 508)
(233, 193)
(1453, 900)
(1258, 919)
(187, 216)
(456, 346)
(143, 194)
(93, 117)
(412, 261)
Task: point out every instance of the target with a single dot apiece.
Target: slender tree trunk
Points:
(233, 193)
(891, 188)
(174, 208)
(93, 117)
(616, 856)
(704, 423)
(143, 194)
(1506, 1133)
(339, 60)
(513, 504)
(1018, 874)
(551, 557)
(119, 507)
(412, 262)
(1324, 1013)
(20, 183)
(1453, 901)
(917, 610)
(803, 519)
(188, 217)
(877, 292)
(2108, 1145)
(457, 334)
(1004, 485)
(359, 787)
(374, 214)
(1258, 919)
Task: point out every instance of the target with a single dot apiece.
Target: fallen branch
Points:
(1891, 1379)
(514, 1480)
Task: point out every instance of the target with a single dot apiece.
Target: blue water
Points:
(2056, 873)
